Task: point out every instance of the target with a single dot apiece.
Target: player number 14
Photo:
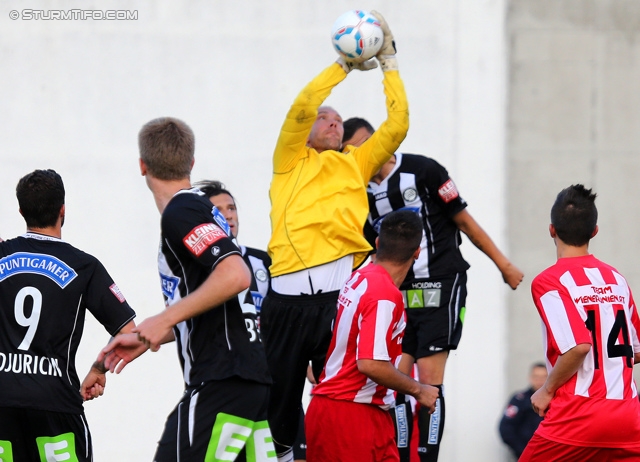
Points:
(615, 348)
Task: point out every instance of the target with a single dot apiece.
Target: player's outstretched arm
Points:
(510, 273)
(94, 383)
(386, 140)
(123, 350)
(566, 365)
(385, 374)
(230, 277)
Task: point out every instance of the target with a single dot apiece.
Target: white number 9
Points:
(32, 321)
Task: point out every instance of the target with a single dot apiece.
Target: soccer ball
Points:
(357, 36)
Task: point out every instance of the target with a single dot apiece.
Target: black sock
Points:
(431, 428)
(403, 422)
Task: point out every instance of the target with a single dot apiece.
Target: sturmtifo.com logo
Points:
(74, 15)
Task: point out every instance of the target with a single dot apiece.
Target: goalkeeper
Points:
(319, 206)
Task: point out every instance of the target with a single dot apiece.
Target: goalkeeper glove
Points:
(387, 53)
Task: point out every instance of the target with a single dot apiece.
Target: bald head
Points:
(327, 131)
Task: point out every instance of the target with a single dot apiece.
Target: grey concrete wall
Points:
(573, 117)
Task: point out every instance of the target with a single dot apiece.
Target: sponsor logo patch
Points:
(402, 426)
(422, 298)
(201, 237)
(257, 300)
(169, 285)
(36, 263)
(434, 425)
(448, 191)
(116, 291)
(221, 220)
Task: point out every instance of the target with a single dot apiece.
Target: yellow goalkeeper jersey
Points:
(318, 199)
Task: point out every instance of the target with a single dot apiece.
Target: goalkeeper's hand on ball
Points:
(387, 54)
(348, 66)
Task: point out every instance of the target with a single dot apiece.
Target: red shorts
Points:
(343, 431)
(540, 449)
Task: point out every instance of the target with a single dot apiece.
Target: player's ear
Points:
(377, 241)
(595, 231)
(552, 231)
(416, 254)
(143, 167)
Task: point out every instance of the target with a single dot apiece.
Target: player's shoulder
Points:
(70, 251)
(546, 277)
(47, 249)
(186, 199)
(378, 280)
(606, 266)
(186, 206)
(418, 160)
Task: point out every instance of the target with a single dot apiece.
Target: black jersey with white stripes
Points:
(46, 287)
(258, 262)
(421, 184)
(216, 344)
(250, 299)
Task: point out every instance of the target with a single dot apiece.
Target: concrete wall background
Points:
(573, 117)
(75, 93)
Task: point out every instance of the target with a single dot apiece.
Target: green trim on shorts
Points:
(231, 433)
(6, 451)
(52, 447)
(463, 311)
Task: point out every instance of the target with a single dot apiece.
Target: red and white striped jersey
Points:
(369, 325)
(583, 300)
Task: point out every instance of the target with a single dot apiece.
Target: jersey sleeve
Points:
(444, 190)
(291, 145)
(564, 324)
(106, 302)
(376, 328)
(386, 140)
(200, 231)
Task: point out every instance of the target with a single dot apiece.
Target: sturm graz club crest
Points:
(261, 275)
(409, 194)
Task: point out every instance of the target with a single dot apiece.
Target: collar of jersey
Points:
(40, 237)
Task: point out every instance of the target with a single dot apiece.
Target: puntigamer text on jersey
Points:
(36, 263)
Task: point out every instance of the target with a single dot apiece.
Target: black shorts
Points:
(219, 420)
(435, 314)
(31, 435)
(295, 330)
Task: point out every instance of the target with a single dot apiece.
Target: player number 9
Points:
(32, 321)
